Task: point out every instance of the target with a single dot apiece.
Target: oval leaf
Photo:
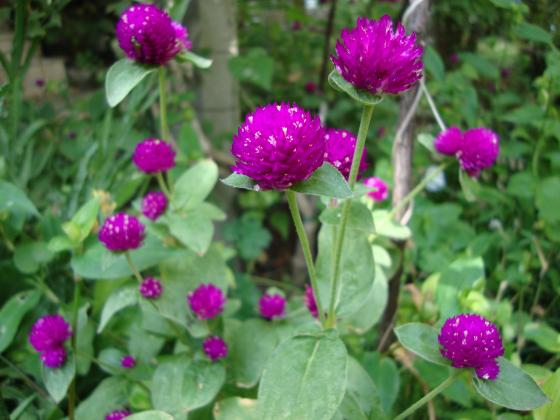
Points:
(326, 181)
(111, 394)
(150, 415)
(421, 339)
(122, 77)
(58, 380)
(197, 60)
(12, 313)
(195, 184)
(513, 388)
(304, 379)
(240, 181)
(120, 299)
(338, 83)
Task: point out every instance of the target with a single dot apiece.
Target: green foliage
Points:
(13, 312)
(122, 77)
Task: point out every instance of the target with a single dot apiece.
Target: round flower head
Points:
(117, 415)
(479, 150)
(340, 151)
(154, 205)
(278, 145)
(153, 155)
(128, 362)
(272, 306)
(148, 35)
(207, 301)
(215, 348)
(121, 232)
(471, 341)
(309, 300)
(53, 358)
(373, 57)
(49, 333)
(151, 288)
(449, 142)
(381, 189)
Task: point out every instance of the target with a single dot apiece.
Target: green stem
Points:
(133, 267)
(75, 307)
(419, 188)
(163, 185)
(296, 216)
(163, 105)
(339, 239)
(429, 396)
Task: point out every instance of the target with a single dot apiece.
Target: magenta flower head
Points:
(272, 306)
(207, 301)
(154, 205)
(381, 189)
(309, 300)
(121, 232)
(448, 142)
(340, 151)
(479, 150)
(278, 145)
(148, 35)
(117, 415)
(128, 362)
(151, 288)
(153, 155)
(215, 348)
(471, 341)
(373, 57)
(54, 358)
(47, 336)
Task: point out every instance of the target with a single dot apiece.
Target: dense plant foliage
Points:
(136, 284)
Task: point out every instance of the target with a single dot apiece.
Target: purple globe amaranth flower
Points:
(128, 362)
(340, 151)
(117, 415)
(53, 358)
(154, 205)
(471, 341)
(215, 348)
(449, 141)
(121, 232)
(278, 145)
(154, 155)
(148, 35)
(381, 189)
(272, 306)
(151, 288)
(49, 333)
(207, 301)
(479, 150)
(309, 300)
(373, 57)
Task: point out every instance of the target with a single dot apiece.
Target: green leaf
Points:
(98, 263)
(195, 184)
(548, 199)
(255, 67)
(533, 33)
(60, 243)
(546, 337)
(427, 140)
(362, 96)
(421, 339)
(151, 415)
(240, 181)
(385, 225)
(197, 60)
(14, 200)
(248, 235)
(551, 410)
(463, 273)
(119, 299)
(29, 256)
(122, 77)
(357, 269)
(361, 389)
(13, 312)
(83, 221)
(193, 229)
(111, 394)
(304, 379)
(469, 186)
(385, 375)
(250, 343)
(434, 63)
(513, 388)
(84, 341)
(482, 65)
(236, 408)
(58, 380)
(359, 217)
(181, 384)
(326, 181)
(110, 360)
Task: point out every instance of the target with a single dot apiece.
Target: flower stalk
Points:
(367, 112)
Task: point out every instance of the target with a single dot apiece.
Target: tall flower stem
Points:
(429, 396)
(419, 188)
(367, 112)
(74, 341)
(133, 267)
(163, 104)
(296, 216)
(163, 185)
